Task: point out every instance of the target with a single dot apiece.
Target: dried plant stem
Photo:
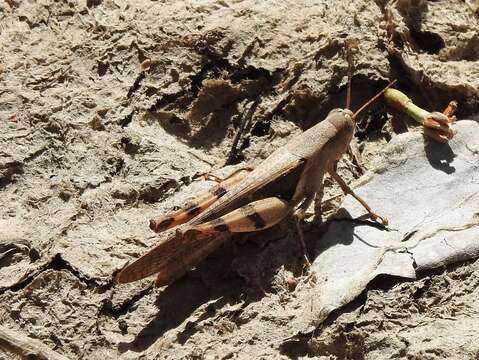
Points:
(26, 347)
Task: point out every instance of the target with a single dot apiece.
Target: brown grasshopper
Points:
(284, 184)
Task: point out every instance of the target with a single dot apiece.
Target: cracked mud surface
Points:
(110, 111)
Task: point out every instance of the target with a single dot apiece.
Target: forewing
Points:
(277, 165)
(175, 255)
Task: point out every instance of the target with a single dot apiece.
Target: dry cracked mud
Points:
(111, 110)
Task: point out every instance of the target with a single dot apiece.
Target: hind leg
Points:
(299, 215)
(255, 216)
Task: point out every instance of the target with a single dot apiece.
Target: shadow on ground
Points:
(216, 277)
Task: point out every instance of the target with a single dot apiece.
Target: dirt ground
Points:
(111, 110)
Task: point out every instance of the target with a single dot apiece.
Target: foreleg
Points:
(348, 190)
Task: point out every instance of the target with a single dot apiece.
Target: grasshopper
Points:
(284, 184)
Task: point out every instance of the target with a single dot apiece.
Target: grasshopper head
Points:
(343, 121)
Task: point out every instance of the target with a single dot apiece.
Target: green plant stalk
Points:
(401, 102)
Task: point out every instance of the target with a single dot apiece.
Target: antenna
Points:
(374, 98)
(349, 59)
(351, 46)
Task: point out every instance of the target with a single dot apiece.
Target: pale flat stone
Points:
(430, 194)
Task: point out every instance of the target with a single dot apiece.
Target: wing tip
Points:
(122, 277)
(130, 273)
(162, 278)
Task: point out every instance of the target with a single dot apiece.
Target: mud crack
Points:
(57, 263)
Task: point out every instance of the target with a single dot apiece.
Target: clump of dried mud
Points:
(109, 110)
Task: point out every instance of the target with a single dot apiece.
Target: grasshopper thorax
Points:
(335, 132)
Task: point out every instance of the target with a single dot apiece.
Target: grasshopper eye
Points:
(337, 110)
(344, 112)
